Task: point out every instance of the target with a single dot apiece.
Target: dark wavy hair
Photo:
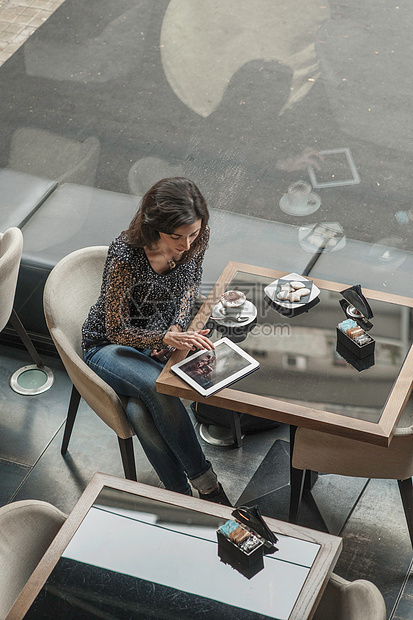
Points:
(169, 204)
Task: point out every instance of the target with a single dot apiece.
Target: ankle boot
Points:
(217, 496)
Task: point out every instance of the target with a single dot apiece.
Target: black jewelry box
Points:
(230, 553)
(250, 562)
(359, 363)
(359, 350)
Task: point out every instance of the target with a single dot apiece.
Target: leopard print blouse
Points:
(136, 304)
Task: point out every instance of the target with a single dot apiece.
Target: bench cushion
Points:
(21, 195)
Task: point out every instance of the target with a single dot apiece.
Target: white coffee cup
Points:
(232, 302)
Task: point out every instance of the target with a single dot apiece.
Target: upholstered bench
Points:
(21, 195)
(73, 217)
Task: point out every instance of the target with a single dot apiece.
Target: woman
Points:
(150, 282)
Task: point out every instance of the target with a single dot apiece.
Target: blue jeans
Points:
(160, 422)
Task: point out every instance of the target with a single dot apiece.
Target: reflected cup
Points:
(299, 193)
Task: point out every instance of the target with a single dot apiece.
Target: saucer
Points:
(248, 309)
(272, 289)
(287, 205)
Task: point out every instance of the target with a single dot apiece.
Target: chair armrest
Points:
(97, 393)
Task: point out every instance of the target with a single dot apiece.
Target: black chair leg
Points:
(297, 477)
(310, 479)
(128, 458)
(25, 338)
(406, 493)
(235, 421)
(71, 416)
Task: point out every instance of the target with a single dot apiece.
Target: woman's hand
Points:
(188, 340)
(163, 355)
(176, 328)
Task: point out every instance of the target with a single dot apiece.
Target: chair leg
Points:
(25, 338)
(311, 478)
(71, 416)
(406, 492)
(128, 458)
(297, 477)
(235, 421)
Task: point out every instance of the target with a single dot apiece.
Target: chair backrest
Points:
(26, 530)
(318, 451)
(72, 287)
(11, 246)
(351, 600)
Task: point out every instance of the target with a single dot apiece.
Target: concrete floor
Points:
(241, 107)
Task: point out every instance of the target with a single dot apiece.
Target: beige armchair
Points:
(11, 246)
(72, 287)
(26, 530)
(350, 600)
(323, 452)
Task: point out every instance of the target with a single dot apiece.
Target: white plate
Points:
(271, 289)
(311, 237)
(248, 309)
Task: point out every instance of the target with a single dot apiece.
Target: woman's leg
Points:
(132, 373)
(158, 452)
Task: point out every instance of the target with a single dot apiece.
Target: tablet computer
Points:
(211, 371)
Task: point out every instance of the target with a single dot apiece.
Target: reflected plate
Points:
(312, 237)
(248, 310)
(287, 205)
(272, 289)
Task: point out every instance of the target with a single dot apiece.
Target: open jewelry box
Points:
(358, 313)
(244, 540)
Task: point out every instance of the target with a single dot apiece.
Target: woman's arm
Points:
(119, 326)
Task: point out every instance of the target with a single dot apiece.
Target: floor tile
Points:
(272, 474)
(404, 608)
(276, 505)
(236, 466)
(336, 497)
(11, 476)
(29, 422)
(328, 505)
(93, 447)
(376, 541)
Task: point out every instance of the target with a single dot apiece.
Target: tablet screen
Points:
(210, 371)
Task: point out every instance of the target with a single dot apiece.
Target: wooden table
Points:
(327, 394)
(165, 516)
